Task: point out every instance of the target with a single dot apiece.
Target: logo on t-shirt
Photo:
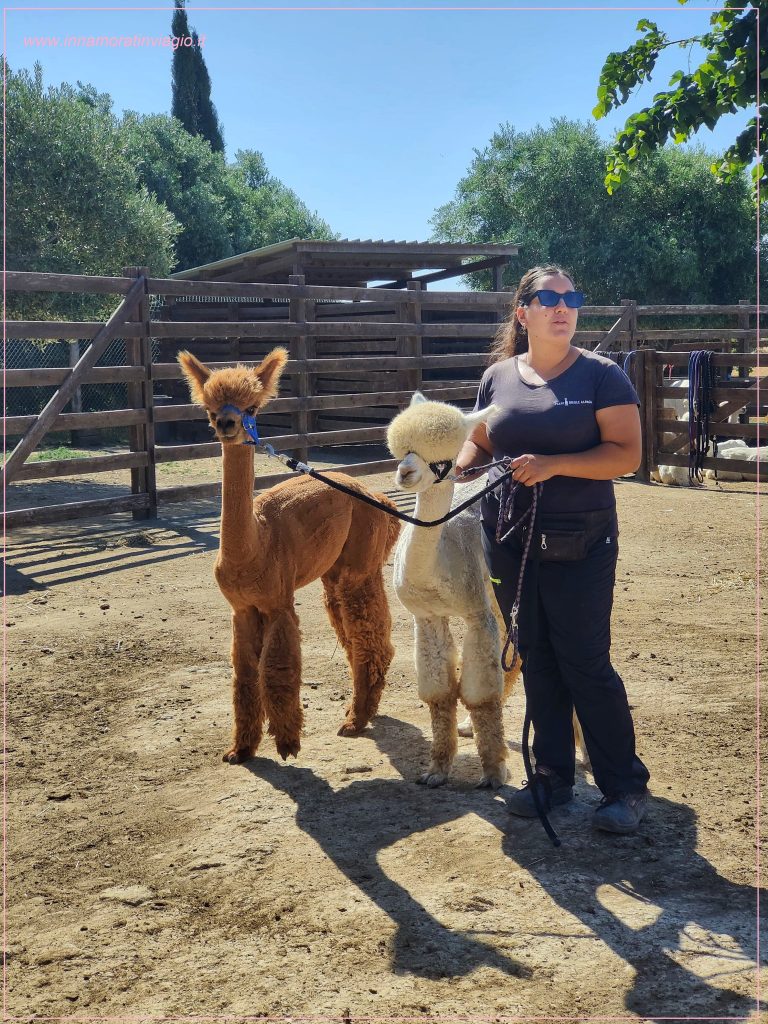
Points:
(572, 401)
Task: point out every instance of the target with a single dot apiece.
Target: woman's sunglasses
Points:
(549, 299)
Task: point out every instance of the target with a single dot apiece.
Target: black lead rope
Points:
(506, 513)
(554, 837)
(300, 467)
(700, 384)
(545, 822)
(440, 469)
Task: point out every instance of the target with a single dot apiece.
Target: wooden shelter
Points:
(357, 263)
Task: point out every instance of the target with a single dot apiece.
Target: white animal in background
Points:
(732, 448)
(680, 405)
(673, 476)
(739, 450)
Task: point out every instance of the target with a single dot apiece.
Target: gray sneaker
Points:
(621, 813)
(551, 790)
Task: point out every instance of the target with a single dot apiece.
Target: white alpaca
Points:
(673, 476)
(440, 571)
(738, 450)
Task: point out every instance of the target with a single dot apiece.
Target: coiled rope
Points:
(700, 383)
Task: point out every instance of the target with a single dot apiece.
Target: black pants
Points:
(565, 641)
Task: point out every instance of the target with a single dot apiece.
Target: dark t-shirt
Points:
(553, 419)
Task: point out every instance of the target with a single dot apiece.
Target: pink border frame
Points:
(395, 1020)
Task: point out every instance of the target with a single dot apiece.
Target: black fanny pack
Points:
(570, 536)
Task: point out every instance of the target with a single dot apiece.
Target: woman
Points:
(570, 422)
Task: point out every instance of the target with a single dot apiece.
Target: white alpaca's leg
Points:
(578, 736)
(510, 678)
(482, 688)
(436, 677)
(465, 727)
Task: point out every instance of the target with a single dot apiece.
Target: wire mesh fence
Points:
(25, 354)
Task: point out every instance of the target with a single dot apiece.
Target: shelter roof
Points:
(354, 262)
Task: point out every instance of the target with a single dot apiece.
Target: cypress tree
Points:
(183, 103)
(208, 120)
(191, 101)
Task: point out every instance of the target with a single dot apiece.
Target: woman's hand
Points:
(533, 469)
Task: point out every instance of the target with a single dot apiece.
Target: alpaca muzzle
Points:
(226, 422)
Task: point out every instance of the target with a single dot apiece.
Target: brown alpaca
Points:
(290, 535)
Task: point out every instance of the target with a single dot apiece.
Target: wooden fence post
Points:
(645, 385)
(497, 278)
(411, 344)
(76, 402)
(138, 352)
(233, 314)
(743, 345)
(631, 322)
(301, 347)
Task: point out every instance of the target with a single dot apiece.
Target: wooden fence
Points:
(412, 338)
(665, 441)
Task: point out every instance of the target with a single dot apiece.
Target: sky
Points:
(371, 115)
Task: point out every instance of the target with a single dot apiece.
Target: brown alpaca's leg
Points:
(491, 746)
(280, 674)
(367, 624)
(332, 601)
(247, 632)
(333, 606)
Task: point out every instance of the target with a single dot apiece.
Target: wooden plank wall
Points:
(356, 356)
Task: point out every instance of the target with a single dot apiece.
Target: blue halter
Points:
(249, 424)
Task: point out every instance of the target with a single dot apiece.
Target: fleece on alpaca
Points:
(296, 532)
(440, 572)
(441, 431)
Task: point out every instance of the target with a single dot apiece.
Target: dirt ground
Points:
(147, 879)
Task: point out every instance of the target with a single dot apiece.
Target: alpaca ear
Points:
(196, 373)
(481, 416)
(417, 399)
(269, 370)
